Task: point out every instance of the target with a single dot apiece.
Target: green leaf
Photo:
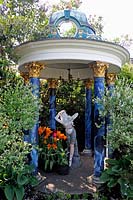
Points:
(9, 192)
(19, 192)
(112, 182)
(51, 165)
(112, 162)
(21, 179)
(110, 172)
(46, 164)
(123, 184)
(116, 169)
(33, 181)
(105, 177)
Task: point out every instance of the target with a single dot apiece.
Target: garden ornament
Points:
(67, 121)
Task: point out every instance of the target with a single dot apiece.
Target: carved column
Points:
(88, 120)
(110, 80)
(34, 73)
(52, 101)
(99, 70)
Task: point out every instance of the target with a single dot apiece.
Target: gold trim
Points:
(25, 76)
(34, 69)
(52, 83)
(110, 78)
(88, 83)
(99, 68)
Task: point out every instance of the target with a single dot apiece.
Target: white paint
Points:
(61, 54)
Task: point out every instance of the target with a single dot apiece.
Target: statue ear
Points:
(75, 116)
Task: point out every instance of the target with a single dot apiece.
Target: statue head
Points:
(65, 119)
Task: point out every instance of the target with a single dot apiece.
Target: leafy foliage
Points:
(119, 106)
(18, 109)
(127, 73)
(118, 177)
(20, 21)
(96, 22)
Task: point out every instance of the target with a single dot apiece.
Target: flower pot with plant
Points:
(52, 152)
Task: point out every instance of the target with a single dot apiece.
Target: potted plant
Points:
(62, 166)
(52, 152)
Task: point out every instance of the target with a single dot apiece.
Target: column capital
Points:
(34, 69)
(52, 83)
(99, 68)
(110, 78)
(88, 83)
(25, 76)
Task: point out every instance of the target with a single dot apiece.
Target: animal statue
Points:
(67, 121)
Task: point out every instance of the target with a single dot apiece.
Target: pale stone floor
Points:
(74, 183)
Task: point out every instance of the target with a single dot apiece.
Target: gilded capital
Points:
(110, 78)
(25, 76)
(99, 68)
(34, 69)
(88, 83)
(52, 83)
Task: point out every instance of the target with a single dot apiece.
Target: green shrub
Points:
(18, 108)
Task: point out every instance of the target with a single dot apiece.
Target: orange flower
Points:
(49, 146)
(41, 129)
(45, 137)
(61, 136)
(58, 134)
(48, 131)
(65, 137)
(54, 146)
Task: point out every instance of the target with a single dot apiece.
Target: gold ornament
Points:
(34, 69)
(52, 83)
(99, 68)
(88, 83)
(25, 76)
(110, 78)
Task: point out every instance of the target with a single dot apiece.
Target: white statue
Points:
(67, 121)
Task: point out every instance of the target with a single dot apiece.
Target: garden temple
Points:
(82, 55)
